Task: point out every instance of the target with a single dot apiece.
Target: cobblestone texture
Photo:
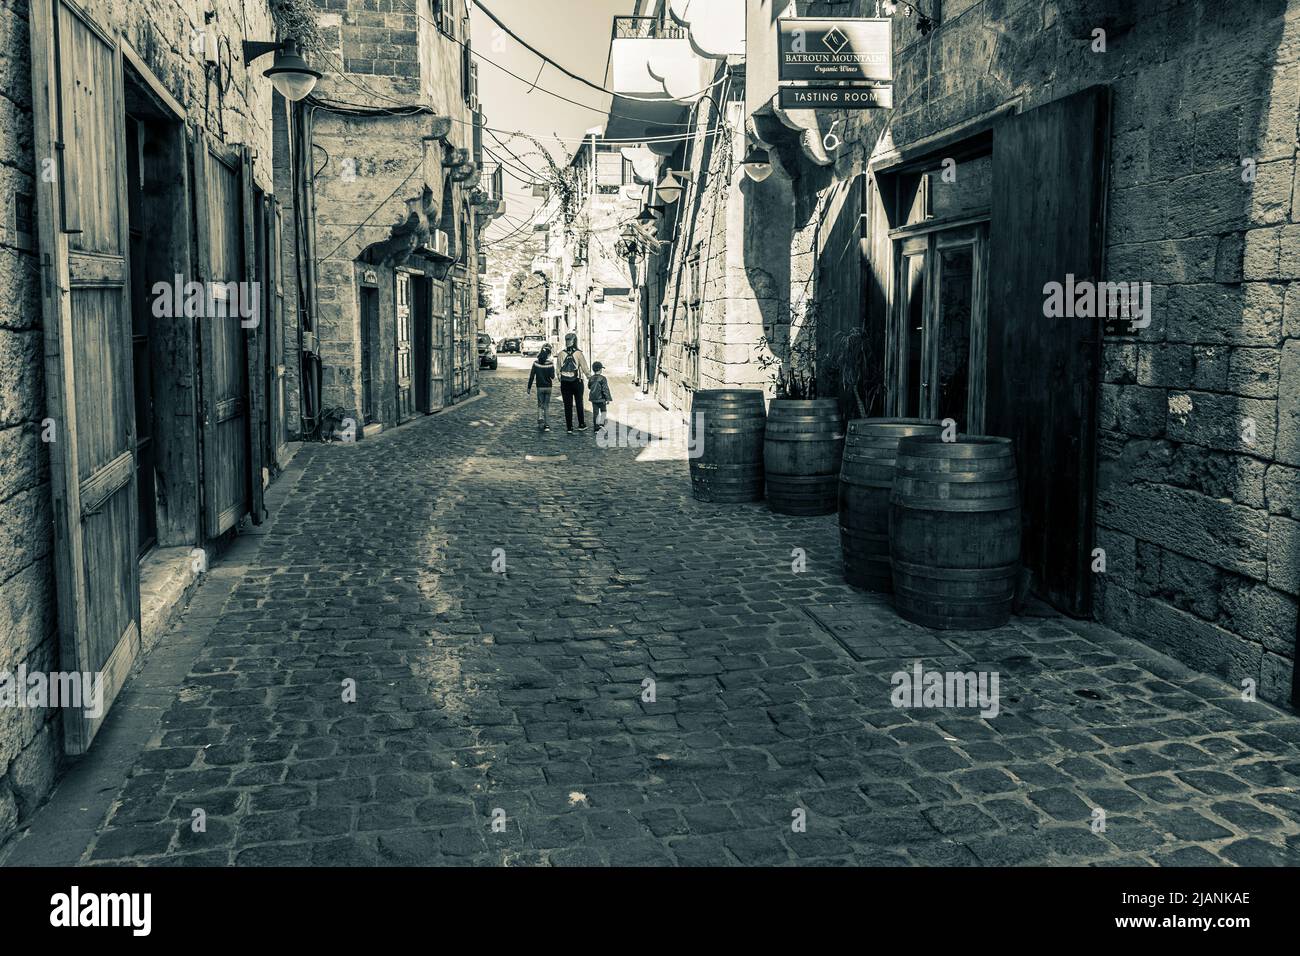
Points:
(522, 692)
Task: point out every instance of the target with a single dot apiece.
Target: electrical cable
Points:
(547, 60)
(357, 109)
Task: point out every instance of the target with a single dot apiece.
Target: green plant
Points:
(792, 376)
(857, 364)
(296, 19)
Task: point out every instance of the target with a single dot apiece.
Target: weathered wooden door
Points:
(226, 413)
(369, 337)
(275, 360)
(1048, 190)
(79, 121)
(441, 360)
(405, 388)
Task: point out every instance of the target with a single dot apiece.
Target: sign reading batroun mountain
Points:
(836, 97)
(853, 49)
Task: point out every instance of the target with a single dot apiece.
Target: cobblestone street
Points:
(480, 694)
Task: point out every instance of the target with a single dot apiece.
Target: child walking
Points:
(543, 373)
(598, 386)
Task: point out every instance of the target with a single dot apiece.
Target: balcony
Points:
(653, 70)
(489, 198)
(647, 28)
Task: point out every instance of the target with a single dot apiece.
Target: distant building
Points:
(400, 204)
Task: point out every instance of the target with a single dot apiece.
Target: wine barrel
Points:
(866, 479)
(954, 531)
(801, 455)
(727, 427)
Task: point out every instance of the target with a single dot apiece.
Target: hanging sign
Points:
(837, 97)
(848, 49)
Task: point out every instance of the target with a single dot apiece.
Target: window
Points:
(471, 88)
(629, 173)
(939, 324)
(443, 16)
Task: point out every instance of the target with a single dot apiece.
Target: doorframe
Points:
(177, 439)
(936, 236)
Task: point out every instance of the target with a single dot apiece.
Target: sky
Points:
(572, 32)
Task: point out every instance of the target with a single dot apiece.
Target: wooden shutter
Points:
(80, 148)
(218, 205)
(1049, 171)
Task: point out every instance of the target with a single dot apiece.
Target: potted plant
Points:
(804, 441)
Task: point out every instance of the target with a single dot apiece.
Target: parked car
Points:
(532, 344)
(510, 345)
(487, 351)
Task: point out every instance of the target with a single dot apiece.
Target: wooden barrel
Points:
(801, 455)
(954, 531)
(726, 429)
(866, 479)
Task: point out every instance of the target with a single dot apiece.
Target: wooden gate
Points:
(1048, 190)
(80, 147)
(232, 482)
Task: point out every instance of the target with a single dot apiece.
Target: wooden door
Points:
(439, 362)
(79, 119)
(369, 337)
(1049, 168)
(404, 375)
(276, 369)
(225, 419)
(253, 329)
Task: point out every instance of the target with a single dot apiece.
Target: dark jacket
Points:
(599, 386)
(543, 373)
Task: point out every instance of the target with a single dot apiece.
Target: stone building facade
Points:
(400, 204)
(159, 47)
(1176, 123)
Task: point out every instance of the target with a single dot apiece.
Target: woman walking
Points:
(574, 371)
(543, 373)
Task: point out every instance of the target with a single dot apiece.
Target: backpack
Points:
(569, 369)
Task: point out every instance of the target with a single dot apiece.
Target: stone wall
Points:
(1199, 413)
(27, 625)
(742, 232)
(162, 32)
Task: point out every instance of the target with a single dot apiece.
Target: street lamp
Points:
(757, 163)
(289, 72)
(646, 217)
(670, 187)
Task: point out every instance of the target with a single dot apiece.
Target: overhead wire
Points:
(566, 71)
(532, 84)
